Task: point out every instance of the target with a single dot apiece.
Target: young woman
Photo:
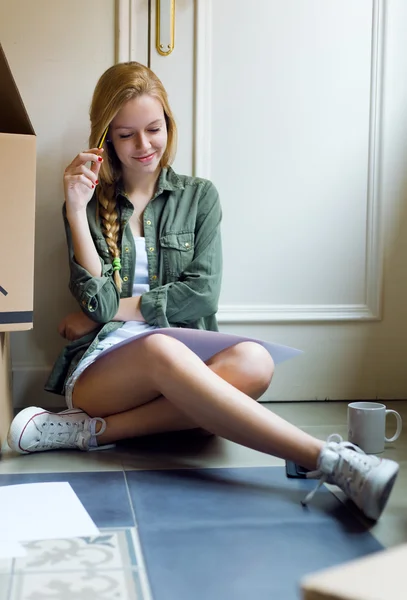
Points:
(145, 253)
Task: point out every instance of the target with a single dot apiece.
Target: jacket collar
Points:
(167, 180)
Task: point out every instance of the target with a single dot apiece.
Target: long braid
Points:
(110, 225)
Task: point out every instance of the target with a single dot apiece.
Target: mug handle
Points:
(399, 426)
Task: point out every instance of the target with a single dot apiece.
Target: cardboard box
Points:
(379, 576)
(17, 203)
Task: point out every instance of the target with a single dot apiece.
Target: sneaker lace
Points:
(51, 433)
(86, 439)
(345, 478)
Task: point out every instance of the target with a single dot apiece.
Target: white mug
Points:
(367, 426)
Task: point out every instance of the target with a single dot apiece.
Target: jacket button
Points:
(148, 222)
(186, 244)
(151, 249)
(154, 277)
(125, 278)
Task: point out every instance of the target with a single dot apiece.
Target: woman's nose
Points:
(141, 141)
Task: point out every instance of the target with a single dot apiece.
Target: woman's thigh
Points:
(119, 380)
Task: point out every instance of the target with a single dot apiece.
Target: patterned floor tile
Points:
(80, 585)
(109, 550)
(78, 569)
(4, 586)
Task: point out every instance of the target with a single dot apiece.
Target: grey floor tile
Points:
(244, 527)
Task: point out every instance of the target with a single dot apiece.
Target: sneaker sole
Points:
(380, 489)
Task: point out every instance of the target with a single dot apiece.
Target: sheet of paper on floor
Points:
(42, 511)
(10, 549)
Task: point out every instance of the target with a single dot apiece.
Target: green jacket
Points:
(183, 242)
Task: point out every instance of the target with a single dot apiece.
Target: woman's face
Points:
(139, 134)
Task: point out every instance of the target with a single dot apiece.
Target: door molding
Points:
(293, 313)
(372, 308)
(132, 25)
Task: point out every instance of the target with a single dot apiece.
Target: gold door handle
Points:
(165, 26)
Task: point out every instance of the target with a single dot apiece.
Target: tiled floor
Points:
(79, 568)
(111, 566)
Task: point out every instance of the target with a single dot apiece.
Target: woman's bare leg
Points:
(119, 385)
(239, 365)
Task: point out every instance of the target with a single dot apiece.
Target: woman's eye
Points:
(155, 130)
(123, 137)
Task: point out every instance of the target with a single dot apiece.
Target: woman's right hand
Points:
(76, 325)
(80, 180)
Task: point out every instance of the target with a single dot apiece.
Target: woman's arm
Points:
(129, 310)
(97, 295)
(79, 184)
(83, 247)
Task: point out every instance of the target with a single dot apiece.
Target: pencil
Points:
(102, 139)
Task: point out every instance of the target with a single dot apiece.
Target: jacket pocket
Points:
(178, 251)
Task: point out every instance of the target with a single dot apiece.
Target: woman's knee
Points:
(160, 350)
(254, 363)
(257, 360)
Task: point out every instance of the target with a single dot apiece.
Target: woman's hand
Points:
(80, 180)
(75, 325)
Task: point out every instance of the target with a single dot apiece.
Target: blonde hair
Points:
(118, 85)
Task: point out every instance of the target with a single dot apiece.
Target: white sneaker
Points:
(365, 479)
(35, 430)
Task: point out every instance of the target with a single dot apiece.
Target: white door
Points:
(297, 110)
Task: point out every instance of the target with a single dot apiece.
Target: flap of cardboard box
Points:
(379, 576)
(13, 115)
